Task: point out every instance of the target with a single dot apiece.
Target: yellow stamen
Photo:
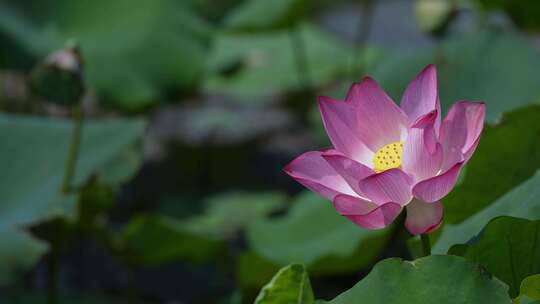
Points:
(388, 157)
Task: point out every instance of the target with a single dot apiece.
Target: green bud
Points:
(434, 16)
(59, 78)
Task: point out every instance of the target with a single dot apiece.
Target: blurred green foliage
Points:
(264, 63)
(523, 12)
(397, 281)
(260, 15)
(155, 240)
(506, 239)
(227, 214)
(290, 285)
(472, 66)
(529, 291)
(502, 149)
(523, 201)
(132, 49)
(313, 234)
(37, 298)
(33, 153)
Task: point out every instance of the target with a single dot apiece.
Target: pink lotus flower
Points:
(386, 158)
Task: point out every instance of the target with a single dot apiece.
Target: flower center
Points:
(388, 157)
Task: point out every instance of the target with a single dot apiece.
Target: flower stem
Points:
(52, 280)
(71, 162)
(426, 245)
(298, 45)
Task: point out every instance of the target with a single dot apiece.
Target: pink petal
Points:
(351, 170)
(423, 217)
(460, 131)
(380, 120)
(476, 115)
(421, 96)
(435, 188)
(364, 213)
(468, 154)
(351, 205)
(312, 171)
(422, 154)
(341, 124)
(391, 185)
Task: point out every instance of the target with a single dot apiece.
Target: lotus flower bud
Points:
(59, 78)
(434, 16)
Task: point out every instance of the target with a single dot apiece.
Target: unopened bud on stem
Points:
(59, 78)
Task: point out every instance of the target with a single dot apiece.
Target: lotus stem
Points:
(71, 162)
(426, 245)
(52, 279)
(299, 48)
